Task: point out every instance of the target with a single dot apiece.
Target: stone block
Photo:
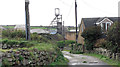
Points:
(25, 62)
(10, 59)
(9, 55)
(113, 56)
(0, 45)
(117, 56)
(4, 46)
(17, 46)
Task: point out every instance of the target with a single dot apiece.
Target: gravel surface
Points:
(86, 61)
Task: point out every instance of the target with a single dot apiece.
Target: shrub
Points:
(13, 33)
(4, 41)
(113, 36)
(23, 43)
(30, 44)
(12, 42)
(59, 60)
(61, 44)
(5, 63)
(90, 35)
(20, 43)
(101, 43)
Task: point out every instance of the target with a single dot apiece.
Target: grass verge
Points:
(63, 61)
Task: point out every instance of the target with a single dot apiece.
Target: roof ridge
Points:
(101, 17)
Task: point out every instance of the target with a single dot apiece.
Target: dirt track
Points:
(79, 59)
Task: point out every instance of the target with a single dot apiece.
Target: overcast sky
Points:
(42, 11)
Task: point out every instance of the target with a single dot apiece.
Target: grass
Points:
(44, 46)
(8, 26)
(5, 50)
(0, 35)
(60, 62)
(40, 46)
(30, 27)
(83, 58)
(42, 28)
(67, 50)
(104, 58)
(38, 27)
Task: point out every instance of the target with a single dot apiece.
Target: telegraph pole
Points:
(76, 21)
(63, 31)
(27, 20)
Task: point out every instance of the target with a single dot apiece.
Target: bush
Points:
(12, 42)
(23, 43)
(20, 43)
(101, 43)
(91, 35)
(13, 33)
(5, 63)
(113, 36)
(4, 41)
(61, 44)
(21, 35)
(30, 44)
(60, 60)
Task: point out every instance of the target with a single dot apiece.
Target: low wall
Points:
(107, 53)
(28, 57)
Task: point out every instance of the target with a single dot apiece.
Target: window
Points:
(82, 28)
(108, 26)
(105, 26)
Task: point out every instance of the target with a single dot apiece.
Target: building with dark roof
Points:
(104, 22)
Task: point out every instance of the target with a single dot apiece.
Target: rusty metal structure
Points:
(57, 21)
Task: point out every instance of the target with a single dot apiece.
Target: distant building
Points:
(38, 31)
(71, 35)
(20, 27)
(53, 31)
(2, 28)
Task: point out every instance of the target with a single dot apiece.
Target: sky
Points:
(42, 12)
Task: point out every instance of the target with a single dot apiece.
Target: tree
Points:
(113, 36)
(90, 35)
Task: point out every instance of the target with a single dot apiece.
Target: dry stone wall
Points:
(28, 57)
(107, 53)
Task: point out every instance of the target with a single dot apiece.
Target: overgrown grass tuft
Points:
(63, 61)
(44, 46)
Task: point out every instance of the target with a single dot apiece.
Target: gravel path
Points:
(79, 59)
